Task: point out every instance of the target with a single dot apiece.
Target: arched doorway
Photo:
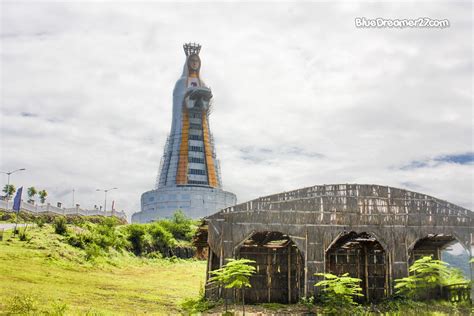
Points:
(279, 276)
(430, 245)
(363, 257)
(440, 247)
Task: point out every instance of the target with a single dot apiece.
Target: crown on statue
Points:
(191, 49)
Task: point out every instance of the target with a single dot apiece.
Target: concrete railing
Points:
(48, 208)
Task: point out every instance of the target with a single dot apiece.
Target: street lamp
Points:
(105, 198)
(8, 181)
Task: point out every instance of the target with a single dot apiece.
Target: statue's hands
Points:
(198, 97)
(199, 93)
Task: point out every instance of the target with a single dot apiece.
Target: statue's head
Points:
(194, 63)
(192, 52)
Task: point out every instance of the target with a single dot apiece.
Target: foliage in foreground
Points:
(338, 292)
(197, 305)
(235, 274)
(426, 275)
(49, 218)
(24, 304)
(60, 225)
(62, 276)
(100, 236)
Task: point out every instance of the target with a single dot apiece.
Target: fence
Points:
(457, 292)
(48, 208)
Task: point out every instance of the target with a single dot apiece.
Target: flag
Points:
(17, 200)
(113, 205)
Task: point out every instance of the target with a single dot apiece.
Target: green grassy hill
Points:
(44, 274)
(97, 266)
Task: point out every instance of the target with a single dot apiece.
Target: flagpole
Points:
(17, 206)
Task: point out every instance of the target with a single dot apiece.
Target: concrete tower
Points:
(189, 177)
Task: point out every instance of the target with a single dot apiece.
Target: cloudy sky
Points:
(302, 96)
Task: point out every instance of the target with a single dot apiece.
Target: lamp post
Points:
(8, 181)
(105, 196)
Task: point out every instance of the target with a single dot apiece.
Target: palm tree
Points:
(43, 194)
(31, 194)
(9, 189)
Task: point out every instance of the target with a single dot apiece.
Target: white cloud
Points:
(302, 97)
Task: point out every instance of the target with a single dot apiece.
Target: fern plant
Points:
(338, 292)
(235, 274)
(427, 274)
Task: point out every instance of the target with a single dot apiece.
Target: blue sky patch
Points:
(462, 159)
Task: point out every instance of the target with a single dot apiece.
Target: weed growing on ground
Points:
(192, 306)
(22, 304)
(60, 225)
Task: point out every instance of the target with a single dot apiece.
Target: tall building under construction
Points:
(189, 176)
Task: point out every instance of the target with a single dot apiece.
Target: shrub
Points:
(57, 309)
(92, 251)
(136, 237)
(103, 235)
(180, 226)
(338, 292)
(22, 305)
(60, 226)
(80, 240)
(39, 221)
(308, 302)
(23, 236)
(7, 216)
(161, 238)
(427, 274)
(154, 255)
(197, 305)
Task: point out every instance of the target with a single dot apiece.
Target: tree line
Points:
(10, 189)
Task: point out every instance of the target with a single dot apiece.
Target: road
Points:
(11, 225)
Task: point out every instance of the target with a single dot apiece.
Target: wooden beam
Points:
(366, 267)
(306, 265)
(289, 274)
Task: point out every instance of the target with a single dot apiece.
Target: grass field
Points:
(50, 276)
(44, 275)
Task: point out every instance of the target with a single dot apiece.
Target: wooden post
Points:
(222, 291)
(289, 273)
(388, 272)
(366, 263)
(269, 277)
(209, 262)
(306, 265)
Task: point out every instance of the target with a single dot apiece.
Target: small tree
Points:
(43, 194)
(60, 225)
(235, 275)
(9, 189)
(426, 274)
(338, 292)
(31, 194)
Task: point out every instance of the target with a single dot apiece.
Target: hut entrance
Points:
(363, 257)
(431, 245)
(279, 276)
